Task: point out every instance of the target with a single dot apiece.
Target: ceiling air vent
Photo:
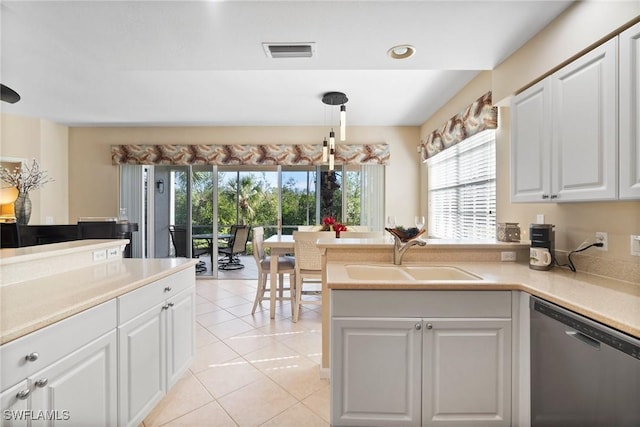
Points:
(289, 50)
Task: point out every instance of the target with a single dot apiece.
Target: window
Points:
(462, 189)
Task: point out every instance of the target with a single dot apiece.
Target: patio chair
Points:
(237, 245)
(179, 239)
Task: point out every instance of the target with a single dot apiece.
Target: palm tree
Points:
(247, 193)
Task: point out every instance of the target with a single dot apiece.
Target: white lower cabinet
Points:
(106, 366)
(14, 404)
(79, 390)
(181, 338)
(155, 350)
(65, 373)
(379, 372)
(466, 372)
(142, 360)
(421, 371)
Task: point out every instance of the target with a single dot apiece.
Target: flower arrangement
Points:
(25, 178)
(329, 223)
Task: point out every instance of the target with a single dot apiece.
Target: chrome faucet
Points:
(400, 247)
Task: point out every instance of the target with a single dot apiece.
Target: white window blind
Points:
(462, 189)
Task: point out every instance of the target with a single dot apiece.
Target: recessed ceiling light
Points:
(402, 51)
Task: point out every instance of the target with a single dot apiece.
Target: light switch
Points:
(635, 245)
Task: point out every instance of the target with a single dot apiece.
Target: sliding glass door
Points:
(188, 210)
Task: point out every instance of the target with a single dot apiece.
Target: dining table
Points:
(280, 244)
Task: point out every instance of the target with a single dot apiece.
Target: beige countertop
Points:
(33, 304)
(612, 302)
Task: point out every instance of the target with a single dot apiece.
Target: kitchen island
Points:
(453, 321)
(102, 336)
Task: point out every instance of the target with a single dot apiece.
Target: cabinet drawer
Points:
(133, 303)
(54, 342)
(383, 303)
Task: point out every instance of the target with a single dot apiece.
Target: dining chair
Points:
(286, 265)
(308, 268)
(237, 245)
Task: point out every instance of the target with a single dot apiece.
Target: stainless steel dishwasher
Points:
(583, 374)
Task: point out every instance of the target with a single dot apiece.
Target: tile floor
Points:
(249, 370)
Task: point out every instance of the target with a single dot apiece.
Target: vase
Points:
(337, 234)
(22, 208)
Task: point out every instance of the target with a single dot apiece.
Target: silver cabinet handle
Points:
(32, 357)
(545, 196)
(167, 289)
(165, 307)
(42, 382)
(24, 394)
(418, 326)
(170, 304)
(429, 326)
(554, 196)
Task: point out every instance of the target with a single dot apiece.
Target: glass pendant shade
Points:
(325, 151)
(343, 123)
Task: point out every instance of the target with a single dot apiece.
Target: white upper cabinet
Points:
(564, 138)
(630, 113)
(584, 127)
(531, 144)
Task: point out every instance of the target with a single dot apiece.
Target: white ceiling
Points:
(85, 63)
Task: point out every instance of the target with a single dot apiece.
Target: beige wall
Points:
(94, 180)
(47, 142)
(581, 26)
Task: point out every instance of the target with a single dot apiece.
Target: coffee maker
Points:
(543, 238)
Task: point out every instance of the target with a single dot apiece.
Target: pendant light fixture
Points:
(325, 151)
(335, 98)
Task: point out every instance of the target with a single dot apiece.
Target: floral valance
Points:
(479, 116)
(265, 154)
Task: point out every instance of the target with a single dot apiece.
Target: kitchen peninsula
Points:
(482, 308)
(102, 336)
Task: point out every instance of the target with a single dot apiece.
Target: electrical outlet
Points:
(507, 256)
(601, 236)
(100, 255)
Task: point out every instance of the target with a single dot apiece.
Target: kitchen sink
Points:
(376, 272)
(440, 273)
(407, 273)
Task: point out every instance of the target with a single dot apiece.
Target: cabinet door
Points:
(629, 113)
(14, 403)
(79, 390)
(585, 122)
(467, 372)
(142, 365)
(375, 372)
(531, 144)
(181, 343)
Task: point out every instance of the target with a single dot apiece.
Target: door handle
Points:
(585, 339)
